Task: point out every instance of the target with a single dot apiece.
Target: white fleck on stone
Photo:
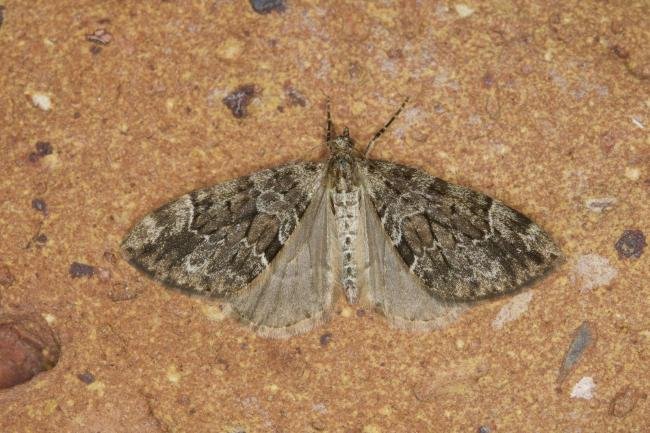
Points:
(215, 96)
(346, 312)
(600, 204)
(173, 375)
(230, 49)
(500, 148)
(319, 407)
(517, 306)
(637, 122)
(463, 10)
(216, 313)
(50, 319)
(548, 55)
(592, 270)
(98, 387)
(584, 388)
(42, 101)
(632, 173)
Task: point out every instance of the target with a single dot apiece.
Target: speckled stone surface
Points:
(544, 106)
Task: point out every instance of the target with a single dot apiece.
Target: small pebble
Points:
(584, 388)
(600, 204)
(28, 346)
(516, 306)
(78, 270)
(42, 101)
(86, 378)
(325, 339)
(583, 338)
(239, 99)
(625, 401)
(43, 148)
(100, 36)
(631, 244)
(39, 205)
(592, 271)
(268, 6)
(103, 274)
(463, 10)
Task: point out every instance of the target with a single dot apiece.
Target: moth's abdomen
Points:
(346, 212)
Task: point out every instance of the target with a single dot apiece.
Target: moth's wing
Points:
(461, 244)
(392, 289)
(295, 292)
(215, 241)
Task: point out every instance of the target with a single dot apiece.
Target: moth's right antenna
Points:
(383, 129)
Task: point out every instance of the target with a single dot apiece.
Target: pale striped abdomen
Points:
(346, 213)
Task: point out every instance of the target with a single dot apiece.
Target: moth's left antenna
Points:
(383, 128)
(330, 127)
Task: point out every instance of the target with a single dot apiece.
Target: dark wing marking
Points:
(218, 239)
(463, 245)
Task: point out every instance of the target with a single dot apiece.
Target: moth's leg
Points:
(383, 128)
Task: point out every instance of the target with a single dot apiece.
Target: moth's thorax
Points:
(341, 143)
(342, 171)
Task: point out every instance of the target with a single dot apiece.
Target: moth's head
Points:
(341, 143)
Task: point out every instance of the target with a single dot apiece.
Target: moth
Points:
(280, 245)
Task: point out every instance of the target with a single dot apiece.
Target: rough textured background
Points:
(544, 106)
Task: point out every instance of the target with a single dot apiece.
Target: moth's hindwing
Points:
(295, 292)
(216, 240)
(396, 292)
(461, 244)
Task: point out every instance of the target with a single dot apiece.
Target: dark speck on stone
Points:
(238, 100)
(295, 97)
(6, 277)
(268, 6)
(630, 244)
(78, 270)
(488, 79)
(484, 429)
(86, 378)
(325, 338)
(40, 239)
(2, 14)
(39, 205)
(43, 148)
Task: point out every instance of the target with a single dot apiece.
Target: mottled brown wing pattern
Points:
(217, 240)
(463, 245)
